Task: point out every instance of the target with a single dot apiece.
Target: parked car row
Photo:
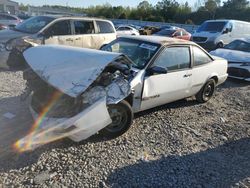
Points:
(7, 21)
(98, 70)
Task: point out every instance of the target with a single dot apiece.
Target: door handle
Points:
(71, 40)
(78, 38)
(187, 75)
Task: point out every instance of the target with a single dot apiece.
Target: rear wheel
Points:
(206, 92)
(122, 117)
(220, 45)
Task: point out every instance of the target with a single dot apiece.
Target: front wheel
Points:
(122, 118)
(206, 92)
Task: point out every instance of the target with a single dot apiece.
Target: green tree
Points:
(236, 4)
(167, 9)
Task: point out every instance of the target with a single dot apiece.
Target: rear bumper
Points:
(239, 73)
(222, 79)
(239, 78)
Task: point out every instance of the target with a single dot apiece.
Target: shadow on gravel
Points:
(219, 167)
(177, 104)
(234, 83)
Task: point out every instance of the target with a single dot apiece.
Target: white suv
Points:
(71, 31)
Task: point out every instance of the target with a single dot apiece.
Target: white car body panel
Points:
(129, 31)
(163, 88)
(201, 74)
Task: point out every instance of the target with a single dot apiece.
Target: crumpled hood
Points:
(71, 70)
(8, 34)
(232, 55)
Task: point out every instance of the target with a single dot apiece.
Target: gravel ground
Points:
(182, 144)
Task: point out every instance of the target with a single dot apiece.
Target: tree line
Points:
(169, 11)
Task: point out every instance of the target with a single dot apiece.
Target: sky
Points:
(85, 3)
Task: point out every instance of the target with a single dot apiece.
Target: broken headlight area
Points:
(112, 84)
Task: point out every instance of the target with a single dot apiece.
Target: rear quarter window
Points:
(200, 57)
(104, 27)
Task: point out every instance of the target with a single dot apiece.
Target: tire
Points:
(206, 92)
(219, 45)
(122, 118)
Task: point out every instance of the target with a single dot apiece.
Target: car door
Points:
(203, 68)
(59, 33)
(106, 32)
(174, 85)
(85, 36)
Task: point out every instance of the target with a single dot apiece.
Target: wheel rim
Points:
(119, 118)
(208, 91)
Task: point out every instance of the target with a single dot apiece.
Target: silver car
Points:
(77, 92)
(7, 20)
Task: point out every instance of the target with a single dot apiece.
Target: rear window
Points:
(200, 57)
(104, 27)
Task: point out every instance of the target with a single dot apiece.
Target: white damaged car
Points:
(77, 92)
(238, 55)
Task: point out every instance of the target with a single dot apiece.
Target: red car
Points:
(175, 33)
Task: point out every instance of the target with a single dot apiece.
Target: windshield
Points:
(165, 32)
(34, 24)
(212, 26)
(139, 52)
(239, 45)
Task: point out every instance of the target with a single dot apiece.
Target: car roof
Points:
(82, 18)
(159, 39)
(60, 17)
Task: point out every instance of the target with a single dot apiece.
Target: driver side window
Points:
(60, 28)
(174, 58)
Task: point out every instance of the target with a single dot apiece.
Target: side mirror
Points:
(226, 31)
(157, 70)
